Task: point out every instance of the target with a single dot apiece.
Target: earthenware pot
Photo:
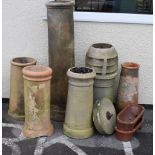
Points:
(37, 101)
(128, 85)
(104, 116)
(78, 117)
(129, 117)
(16, 102)
(127, 135)
(61, 52)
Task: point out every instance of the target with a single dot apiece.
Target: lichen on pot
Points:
(78, 116)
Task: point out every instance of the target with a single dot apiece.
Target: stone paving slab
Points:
(58, 144)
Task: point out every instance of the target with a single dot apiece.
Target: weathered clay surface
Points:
(61, 53)
(16, 105)
(37, 101)
(128, 85)
(78, 117)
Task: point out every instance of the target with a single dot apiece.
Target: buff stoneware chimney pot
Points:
(78, 117)
(128, 85)
(61, 53)
(103, 58)
(16, 102)
(37, 101)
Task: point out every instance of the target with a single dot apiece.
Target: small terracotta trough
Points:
(129, 120)
(37, 101)
(129, 117)
(127, 135)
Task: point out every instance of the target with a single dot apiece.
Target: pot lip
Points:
(130, 65)
(33, 61)
(63, 3)
(89, 75)
(102, 44)
(37, 72)
(132, 122)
